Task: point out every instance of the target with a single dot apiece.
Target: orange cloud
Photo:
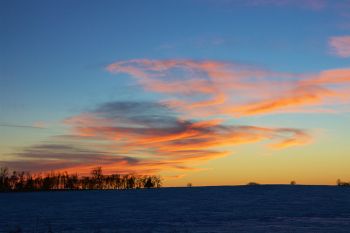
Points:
(160, 140)
(335, 76)
(205, 88)
(298, 137)
(144, 138)
(301, 96)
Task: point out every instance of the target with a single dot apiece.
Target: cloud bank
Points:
(192, 121)
(145, 137)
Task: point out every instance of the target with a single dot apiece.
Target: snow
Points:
(264, 208)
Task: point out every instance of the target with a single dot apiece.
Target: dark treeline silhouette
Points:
(25, 181)
(252, 184)
(342, 183)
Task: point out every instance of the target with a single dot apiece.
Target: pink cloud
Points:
(340, 45)
(206, 88)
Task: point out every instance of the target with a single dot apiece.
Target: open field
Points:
(264, 208)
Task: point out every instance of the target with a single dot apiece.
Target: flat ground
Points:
(265, 208)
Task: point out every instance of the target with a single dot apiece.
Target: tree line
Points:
(342, 183)
(26, 181)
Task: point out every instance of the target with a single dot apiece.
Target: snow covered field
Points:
(199, 209)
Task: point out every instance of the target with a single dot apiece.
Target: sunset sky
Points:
(213, 92)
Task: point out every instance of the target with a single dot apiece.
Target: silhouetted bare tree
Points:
(4, 182)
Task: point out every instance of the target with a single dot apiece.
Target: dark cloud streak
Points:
(20, 126)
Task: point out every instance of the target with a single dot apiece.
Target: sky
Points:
(220, 92)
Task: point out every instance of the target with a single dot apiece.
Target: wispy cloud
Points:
(340, 45)
(34, 126)
(214, 87)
